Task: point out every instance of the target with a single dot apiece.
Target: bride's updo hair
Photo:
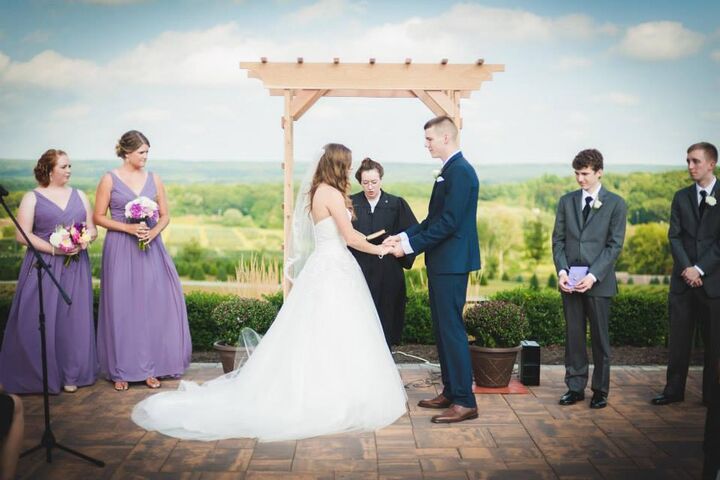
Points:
(129, 142)
(332, 169)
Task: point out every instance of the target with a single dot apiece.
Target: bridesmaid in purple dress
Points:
(143, 328)
(70, 333)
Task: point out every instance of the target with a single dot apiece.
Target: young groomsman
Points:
(695, 283)
(587, 239)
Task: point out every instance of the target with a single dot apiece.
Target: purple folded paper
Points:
(576, 274)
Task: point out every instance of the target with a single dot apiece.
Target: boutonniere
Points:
(436, 173)
(710, 200)
(597, 204)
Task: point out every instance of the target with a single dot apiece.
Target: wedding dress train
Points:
(322, 368)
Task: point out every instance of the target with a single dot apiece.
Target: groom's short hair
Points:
(444, 124)
(588, 158)
(709, 149)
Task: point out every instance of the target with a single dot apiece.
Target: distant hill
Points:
(17, 174)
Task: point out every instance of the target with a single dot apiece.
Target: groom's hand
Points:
(391, 240)
(397, 250)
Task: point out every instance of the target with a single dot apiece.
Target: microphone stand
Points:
(48, 441)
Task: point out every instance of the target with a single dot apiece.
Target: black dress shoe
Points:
(598, 400)
(665, 399)
(571, 397)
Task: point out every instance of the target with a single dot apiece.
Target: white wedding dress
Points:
(322, 368)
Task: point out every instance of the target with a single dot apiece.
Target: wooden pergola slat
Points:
(439, 86)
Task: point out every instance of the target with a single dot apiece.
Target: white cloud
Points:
(37, 36)
(475, 22)
(49, 69)
(327, 9)
(71, 112)
(620, 99)
(715, 55)
(4, 61)
(660, 41)
(573, 63)
(147, 115)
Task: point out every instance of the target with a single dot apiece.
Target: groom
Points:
(448, 236)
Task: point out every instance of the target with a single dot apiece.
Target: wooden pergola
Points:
(439, 86)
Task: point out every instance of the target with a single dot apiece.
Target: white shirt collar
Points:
(592, 195)
(451, 155)
(708, 189)
(373, 203)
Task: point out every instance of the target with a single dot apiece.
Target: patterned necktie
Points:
(586, 208)
(703, 203)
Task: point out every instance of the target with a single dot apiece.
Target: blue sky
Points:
(638, 80)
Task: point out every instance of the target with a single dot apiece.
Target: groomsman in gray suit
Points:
(695, 283)
(587, 239)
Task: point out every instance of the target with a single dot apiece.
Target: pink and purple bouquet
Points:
(139, 211)
(68, 238)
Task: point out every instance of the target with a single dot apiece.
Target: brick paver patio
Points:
(515, 437)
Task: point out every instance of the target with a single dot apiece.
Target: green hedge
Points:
(544, 312)
(638, 316)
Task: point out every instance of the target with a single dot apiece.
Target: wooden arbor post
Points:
(439, 86)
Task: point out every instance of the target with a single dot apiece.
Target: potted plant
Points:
(496, 328)
(231, 317)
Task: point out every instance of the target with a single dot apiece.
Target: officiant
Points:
(379, 214)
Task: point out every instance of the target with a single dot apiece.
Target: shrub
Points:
(196, 272)
(519, 279)
(552, 281)
(496, 324)
(231, 316)
(200, 306)
(534, 282)
(654, 281)
(544, 311)
(275, 299)
(483, 280)
(418, 320)
(505, 277)
(639, 317)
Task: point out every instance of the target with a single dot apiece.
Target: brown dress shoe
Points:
(438, 402)
(454, 414)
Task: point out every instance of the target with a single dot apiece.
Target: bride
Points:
(323, 367)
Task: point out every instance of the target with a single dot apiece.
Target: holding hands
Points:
(692, 277)
(582, 286)
(393, 245)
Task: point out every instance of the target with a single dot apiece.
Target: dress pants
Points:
(447, 299)
(579, 308)
(688, 309)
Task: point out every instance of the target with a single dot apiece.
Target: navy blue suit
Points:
(448, 236)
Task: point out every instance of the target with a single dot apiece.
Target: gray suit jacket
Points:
(694, 241)
(596, 244)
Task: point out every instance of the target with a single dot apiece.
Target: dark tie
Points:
(703, 204)
(586, 209)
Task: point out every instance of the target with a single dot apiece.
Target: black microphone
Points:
(3, 192)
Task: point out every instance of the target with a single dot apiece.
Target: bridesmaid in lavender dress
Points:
(70, 334)
(143, 330)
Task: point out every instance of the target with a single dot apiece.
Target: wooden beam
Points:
(356, 92)
(287, 185)
(430, 102)
(364, 76)
(302, 101)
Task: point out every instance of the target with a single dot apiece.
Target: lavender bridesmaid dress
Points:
(142, 324)
(69, 328)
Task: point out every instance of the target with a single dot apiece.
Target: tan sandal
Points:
(152, 382)
(121, 386)
(70, 388)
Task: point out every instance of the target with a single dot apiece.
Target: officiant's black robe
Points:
(385, 277)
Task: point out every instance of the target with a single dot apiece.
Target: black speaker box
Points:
(530, 363)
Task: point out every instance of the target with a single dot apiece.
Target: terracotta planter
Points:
(227, 355)
(493, 367)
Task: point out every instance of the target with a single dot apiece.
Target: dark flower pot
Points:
(493, 367)
(227, 355)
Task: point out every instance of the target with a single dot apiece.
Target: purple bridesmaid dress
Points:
(142, 324)
(69, 328)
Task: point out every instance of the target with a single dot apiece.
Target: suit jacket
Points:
(448, 235)
(695, 241)
(595, 243)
